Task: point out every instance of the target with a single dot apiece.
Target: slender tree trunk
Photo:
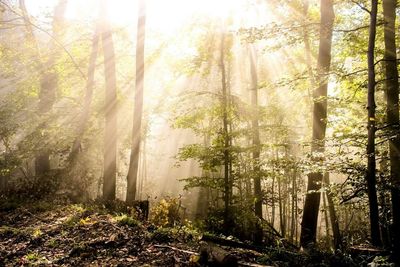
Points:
(280, 205)
(337, 240)
(224, 103)
(273, 199)
(313, 196)
(143, 166)
(371, 167)
(76, 146)
(202, 200)
(256, 144)
(294, 207)
(110, 136)
(138, 109)
(49, 78)
(392, 113)
(326, 218)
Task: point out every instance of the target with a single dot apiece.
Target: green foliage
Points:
(162, 235)
(37, 233)
(32, 257)
(166, 212)
(33, 188)
(71, 221)
(125, 219)
(184, 233)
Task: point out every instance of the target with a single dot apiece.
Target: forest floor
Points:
(49, 234)
(81, 235)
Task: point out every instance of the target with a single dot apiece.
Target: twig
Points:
(362, 7)
(177, 249)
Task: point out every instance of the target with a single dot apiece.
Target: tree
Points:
(392, 114)
(312, 199)
(225, 134)
(76, 146)
(49, 77)
(256, 143)
(337, 240)
(110, 109)
(138, 109)
(371, 164)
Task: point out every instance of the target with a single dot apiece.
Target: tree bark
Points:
(280, 205)
(294, 207)
(392, 113)
(313, 196)
(110, 136)
(371, 165)
(326, 220)
(138, 109)
(225, 133)
(337, 239)
(256, 145)
(273, 198)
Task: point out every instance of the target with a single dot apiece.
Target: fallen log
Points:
(238, 244)
(212, 255)
(367, 250)
(228, 242)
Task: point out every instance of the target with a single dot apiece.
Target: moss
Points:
(37, 233)
(163, 235)
(53, 243)
(77, 208)
(32, 257)
(127, 220)
(71, 221)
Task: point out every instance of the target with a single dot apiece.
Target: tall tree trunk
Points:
(110, 136)
(203, 199)
(313, 196)
(280, 205)
(392, 113)
(256, 145)
(49, 78)
(371, 167)
(273, 198)
(384, 201)
(48, 86)
(76, 146)
(294, 206)
(138, 109)
(143, 167)
(337, 240)
(326, 220)
(224, 103)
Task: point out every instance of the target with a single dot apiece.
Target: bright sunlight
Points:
(199, 133)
